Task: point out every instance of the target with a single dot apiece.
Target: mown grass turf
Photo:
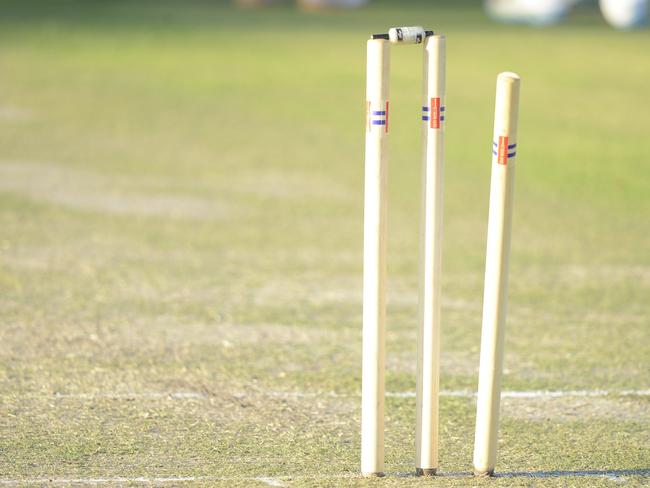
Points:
(181, 210)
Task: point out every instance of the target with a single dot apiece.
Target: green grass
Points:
(181, 191)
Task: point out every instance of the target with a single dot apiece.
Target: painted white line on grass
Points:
(575, 393)
(472, 394)
(183, 395)
(176, 395)
(157, 480)
(271, 481)
(531, 393)
(145, 480)
(102, 481)
(612, 474)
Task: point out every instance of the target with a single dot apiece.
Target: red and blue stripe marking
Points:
(434, 113)
(503, 150)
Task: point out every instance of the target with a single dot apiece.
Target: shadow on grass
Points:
(587, 473)
(605, 473)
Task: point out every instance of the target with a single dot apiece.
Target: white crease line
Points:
(97, 481)
(182, 395)
(616, 474)
(154, 480)
(531, 393)
(176, 395)
(472, 394)
(271, 481)
(574, 393)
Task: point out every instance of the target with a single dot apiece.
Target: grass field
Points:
(181, 190)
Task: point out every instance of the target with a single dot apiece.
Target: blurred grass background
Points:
(181, 192)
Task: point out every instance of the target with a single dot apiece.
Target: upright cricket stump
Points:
(428, 356)
(496, 273)
(374, 263)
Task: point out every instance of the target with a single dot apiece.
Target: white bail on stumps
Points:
(374, 255)
(428, 352)
(406, 35)
(504, 152)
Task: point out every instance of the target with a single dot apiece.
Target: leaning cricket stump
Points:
(504, 153)
(428, 353)
(374, 260)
